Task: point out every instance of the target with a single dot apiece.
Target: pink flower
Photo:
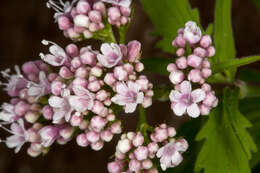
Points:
(192, 32)
(61, 107)
(57, 57)
(40, 89)
(83, 100)
(48, 135)
(128, 96)
(169, 156)
(7, 114)
(123, 3)
(19, 136)
(111, 55)
(15, 82)
(186, 100)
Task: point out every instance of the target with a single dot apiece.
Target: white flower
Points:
(111, 55)
(128, 96)
(19, 136)
(123, 3)
(7, 114)
(186, 100)
(40, 89)
(192, 32)
(58, 55)
(83, 100)
(62, 108)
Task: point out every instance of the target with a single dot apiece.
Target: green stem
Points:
(142, 117)
(122, 33)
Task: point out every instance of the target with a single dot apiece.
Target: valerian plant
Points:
(76, 92)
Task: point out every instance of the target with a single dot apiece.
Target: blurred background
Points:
(25, 23)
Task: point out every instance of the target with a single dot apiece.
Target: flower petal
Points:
(56, 102)
(193, 110)
(175, 96)
(198, 95)
(185, 87)
(179, 109)
(130, 108)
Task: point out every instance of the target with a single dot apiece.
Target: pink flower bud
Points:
(36, 147)
(66, 132)
(47, 112)
(81, 21)
(96, 71)
(111, 117)
(172, 67)
(139, 67)
(87, 34)
(88, 57)
(48, 135)
(64, 22)
(109, 79)
(205, 63)
(33, 153)
(83, 7)
(124, 145)
(125, 11)
(82, 140)
(75, 120)
(95, 16)
(209, 100)
(100, 6)
(84, 125)
(31, 116)
(93, 27)
(56, 87)
(200, 52)
(65, 73)
(106, 135)
(204, 110)
(33, 135)
(182, 62)
(21, 108)
(180, 52)
(92, 136)
(147, 164)
(52, 76)
(195, 75)
(98, 123)
(206, 72)
(181, 145)
(134, 165)
(75, 62)
(180, 41)
(141, 153)
(161, 134)
(114, 13)
(116, 128)
(81, 72)
(101, 95)
(97, 146)
(114, 167)
(205, 41)
(120, 73)
(211, 51)
(134, 50)
(138, 140)
(206, 87)
(176, 77)
(30, 67)
(171, 132)
(124, 20)
(72, 50)
(129, 68)
(97, 107)
(143, 83)
(194, 61)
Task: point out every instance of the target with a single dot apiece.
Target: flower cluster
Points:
(81, 20)
(138, 153)
(87, 90)
(191, 69)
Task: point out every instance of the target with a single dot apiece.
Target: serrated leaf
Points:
(234, 63)
(168, 16)
(223, 35)
(228, 145)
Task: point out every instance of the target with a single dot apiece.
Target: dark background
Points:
(24, 23)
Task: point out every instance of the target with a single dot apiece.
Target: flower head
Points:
(111, 55)
(128, 96)
(187, 100)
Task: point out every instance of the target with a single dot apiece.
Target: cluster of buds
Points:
(191, 69)
(137, 153)
(83, 19)
(87, 90)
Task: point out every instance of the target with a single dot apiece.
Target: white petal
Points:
(56, 102)
(133, 86)
(176, 158)
(79, 103)
(140, 98)
(130, 108)
(160, 152)
(175, 96)
(58, 115)
(102, 59)
(57, 51)
(106, 48)
(35, 91)
(179, 109)
(198, 95)
(185, 87)
(193, 110)
(121, 88)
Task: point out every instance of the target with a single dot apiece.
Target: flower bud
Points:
(147, 164)
(81, 21)
(172, 67)
(65, 73)
(194, 61)
(66, 132)
(21, 108)
(176, 77)
(124, 146)
(114, 13)
(138, 140)
(120, 73)
(92, 136)
(116, 128)
(134, 49)
(211, 51)
(83, 7)
(31, 117)
(97, 146)
(141, 153)
(109, 79)
(205, 41)
(64, 22)
(195, 75)
(182, 62)
(82, 140)
(134, 165)
(95, 16)
(98, 123)
(106, 135)
(88, 57)
(81, 72)
(114, 167)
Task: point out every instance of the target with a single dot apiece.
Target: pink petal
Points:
(130, 108)
(133, 86)
(56, 102)
(179, 109)
(106, 48)
(193, 110)
(140, 97)
(198, 95)
(122, 88)
(185, 87)
(175, 96)
(80, 104)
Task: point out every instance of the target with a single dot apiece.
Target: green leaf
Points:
(168, 16)
(157, 65)
(223, 36)
(220, 67)
(249, 75)
(228, 145)
(209, 29)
